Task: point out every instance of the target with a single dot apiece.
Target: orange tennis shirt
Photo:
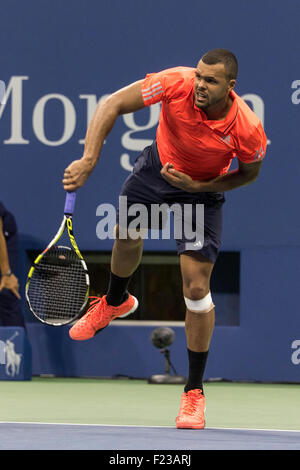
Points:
(197, 146)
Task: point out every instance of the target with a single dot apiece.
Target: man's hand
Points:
(76, 174)
(11, 283)
(178, 179)
(244, 175)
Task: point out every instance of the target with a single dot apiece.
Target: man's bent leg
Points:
(126, 255)
(125, 259)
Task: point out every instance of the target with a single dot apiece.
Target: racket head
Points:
(57, 287)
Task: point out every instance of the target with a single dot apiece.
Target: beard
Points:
(201, 101)
(204, 101)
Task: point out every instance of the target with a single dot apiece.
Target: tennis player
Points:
(203, 125)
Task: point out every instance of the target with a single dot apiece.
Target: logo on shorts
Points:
(198, 244)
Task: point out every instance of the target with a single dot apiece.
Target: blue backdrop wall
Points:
(59, 58)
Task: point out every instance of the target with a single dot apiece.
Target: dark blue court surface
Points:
(43, 436)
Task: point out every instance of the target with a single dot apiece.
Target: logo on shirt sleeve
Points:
(259, 154)
(153, 90)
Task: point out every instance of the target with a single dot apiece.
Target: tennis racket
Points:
(57, 286)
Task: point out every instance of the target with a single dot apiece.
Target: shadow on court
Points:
(38, 436)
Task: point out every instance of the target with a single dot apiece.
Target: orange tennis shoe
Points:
(99, 315)
(192, 408)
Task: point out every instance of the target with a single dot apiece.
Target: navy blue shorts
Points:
(146, 186)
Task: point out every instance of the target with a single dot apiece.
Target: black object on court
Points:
(162, 338)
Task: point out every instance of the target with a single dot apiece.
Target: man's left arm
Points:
(244, 175)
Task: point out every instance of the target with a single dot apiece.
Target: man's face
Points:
(212, 85)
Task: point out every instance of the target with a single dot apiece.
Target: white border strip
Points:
(146, 323)
(144, 426)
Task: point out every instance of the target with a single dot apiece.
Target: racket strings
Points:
(58, 286)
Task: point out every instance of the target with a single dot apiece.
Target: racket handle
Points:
(70, 203)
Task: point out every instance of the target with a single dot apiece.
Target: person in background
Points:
(10, 299)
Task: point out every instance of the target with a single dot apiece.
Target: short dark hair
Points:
(223, 56)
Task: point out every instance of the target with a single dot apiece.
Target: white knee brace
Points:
(204, 305)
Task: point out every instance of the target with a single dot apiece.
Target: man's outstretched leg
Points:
(118, 303)
(199, 324)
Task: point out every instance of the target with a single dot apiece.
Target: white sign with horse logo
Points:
(12, 359)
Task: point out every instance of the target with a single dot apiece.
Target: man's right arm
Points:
(123, 101)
